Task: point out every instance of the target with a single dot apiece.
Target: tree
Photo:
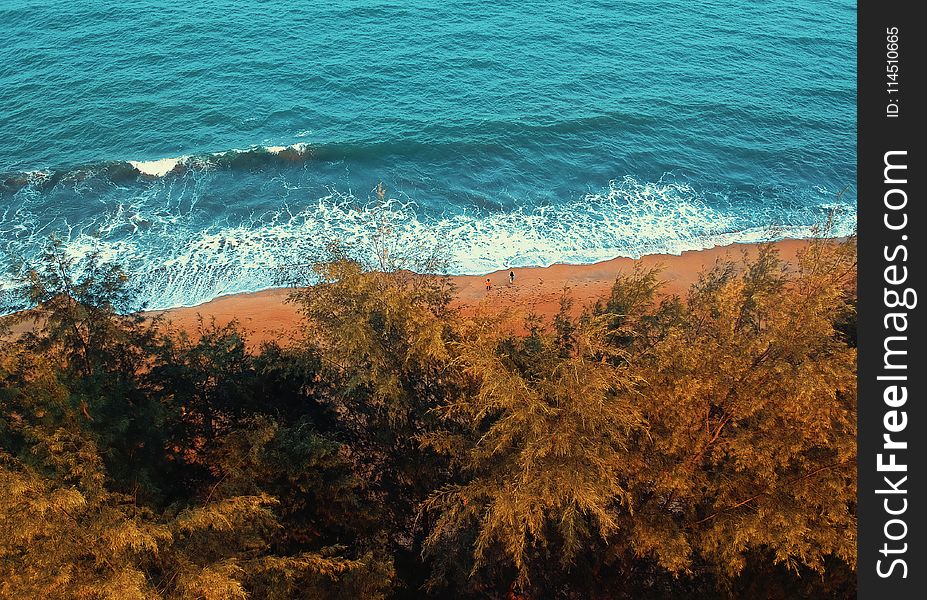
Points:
(751, 406)
(383, 340)
(654, 446)
(80, 517)
(544, 462)
(92, 346)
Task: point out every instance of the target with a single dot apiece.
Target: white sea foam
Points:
(299, 147)
(175, 262)
(162, 166)
(37, 176)
(159, 167)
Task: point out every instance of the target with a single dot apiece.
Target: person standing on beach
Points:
(511, 277)
(488, 284)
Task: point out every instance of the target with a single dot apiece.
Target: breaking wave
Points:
(175, 259)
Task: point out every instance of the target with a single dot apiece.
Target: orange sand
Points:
(539, 289)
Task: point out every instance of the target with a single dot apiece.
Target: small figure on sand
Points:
(511, 277)
(488, 284)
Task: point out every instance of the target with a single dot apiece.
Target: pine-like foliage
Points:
(751, 407)
(127, 456)
(384, 342)
(653, 447)
(383, 333)
(546, 462)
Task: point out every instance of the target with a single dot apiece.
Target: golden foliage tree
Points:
(545, 464)
(695, 438)
(751, 411)
(655, 446)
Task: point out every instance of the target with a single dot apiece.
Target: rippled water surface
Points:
(204, 145)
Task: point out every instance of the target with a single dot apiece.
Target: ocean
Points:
(209, 146)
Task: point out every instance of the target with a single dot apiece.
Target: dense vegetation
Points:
(652, 447)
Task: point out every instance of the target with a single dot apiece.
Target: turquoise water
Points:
(205, 146)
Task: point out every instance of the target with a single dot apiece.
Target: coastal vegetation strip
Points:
(699, 442)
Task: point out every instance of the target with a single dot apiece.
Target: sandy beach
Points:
(268, 317)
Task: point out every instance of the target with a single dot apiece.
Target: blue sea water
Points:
(207, 145)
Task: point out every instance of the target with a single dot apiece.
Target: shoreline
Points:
(266, 315)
